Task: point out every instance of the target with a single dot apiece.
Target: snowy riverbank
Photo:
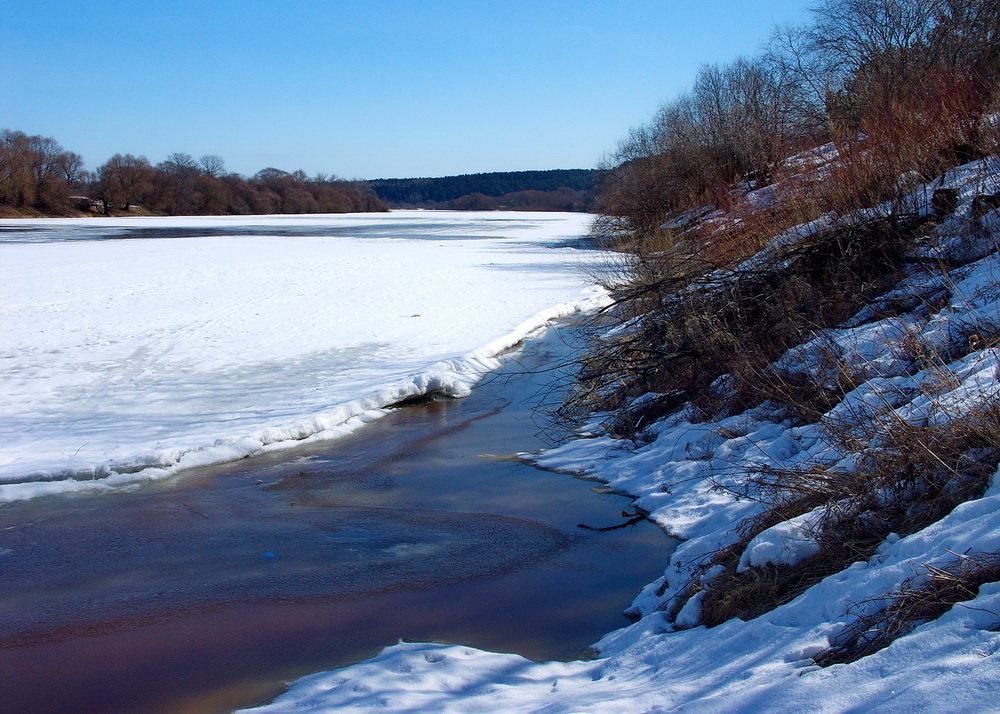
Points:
(689, 474)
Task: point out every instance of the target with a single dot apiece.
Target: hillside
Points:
(557, 190)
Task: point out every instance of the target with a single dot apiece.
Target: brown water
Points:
(208, 591)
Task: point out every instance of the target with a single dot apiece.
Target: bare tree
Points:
(31, 170)
(857, 32)
(212, 164)
(179, 164)
(967, 36)
(44, 155)
(124, 179)
(16, 184)
(808, 74)
(71, 171)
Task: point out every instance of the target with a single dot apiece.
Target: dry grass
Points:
(907, 476)
(918, 600)
(691, 327)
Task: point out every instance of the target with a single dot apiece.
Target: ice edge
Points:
(453, 378)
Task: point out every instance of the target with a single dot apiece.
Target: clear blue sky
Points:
(362, 88)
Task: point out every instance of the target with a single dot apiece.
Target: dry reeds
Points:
(690, 326)
(907, 477)
(918, 599)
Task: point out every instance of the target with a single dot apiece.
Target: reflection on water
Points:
(206, 592)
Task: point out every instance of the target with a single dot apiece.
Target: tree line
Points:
(903, 87)
(39, 177)
(552, 190)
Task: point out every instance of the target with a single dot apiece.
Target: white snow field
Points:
(133, 348)
(663, 663)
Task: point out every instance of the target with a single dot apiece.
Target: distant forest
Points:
(555, 190)
(38, 177)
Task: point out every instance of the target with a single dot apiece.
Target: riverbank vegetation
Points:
(800, 230)
(38, 177)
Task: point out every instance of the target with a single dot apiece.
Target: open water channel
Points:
(209, 591)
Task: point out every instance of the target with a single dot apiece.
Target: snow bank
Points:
(130, 354)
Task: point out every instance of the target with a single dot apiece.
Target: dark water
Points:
(209, 591)
(422, 226)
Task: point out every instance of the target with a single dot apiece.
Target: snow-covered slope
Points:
(131, 348)
(930, 364)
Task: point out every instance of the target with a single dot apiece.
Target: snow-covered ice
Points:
(132, 348)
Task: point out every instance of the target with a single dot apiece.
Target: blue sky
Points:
(362, 89)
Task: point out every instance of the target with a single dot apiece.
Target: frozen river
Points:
(133, 348)
(208, 591)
